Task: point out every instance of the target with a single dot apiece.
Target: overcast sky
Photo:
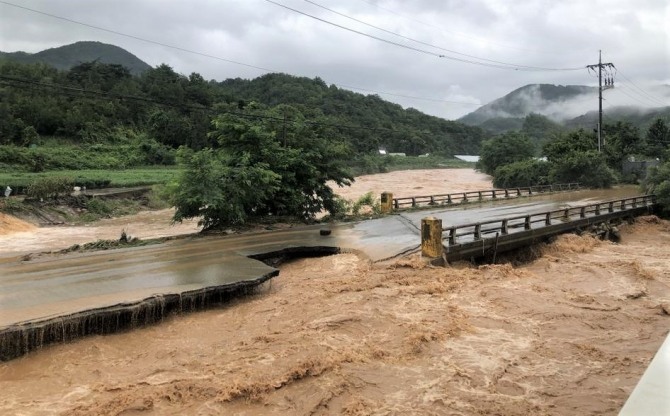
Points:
(633, 34)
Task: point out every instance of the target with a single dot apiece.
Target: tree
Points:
(527, 172)
(586, 168)
(658, 183)
(263, 165)
(573, 157)
(503, 150)
(622, 140)
(564, 144)
(658, 139)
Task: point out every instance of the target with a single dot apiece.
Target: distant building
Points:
(638, 168)
(467, 158)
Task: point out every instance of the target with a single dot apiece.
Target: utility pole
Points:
(609, 83)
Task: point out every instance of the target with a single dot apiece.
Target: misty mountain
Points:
(553, 101)
(571, 106)
(640, 117)
(65, 57)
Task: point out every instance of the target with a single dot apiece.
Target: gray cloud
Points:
(545, 33)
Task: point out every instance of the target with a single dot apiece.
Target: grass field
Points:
(116, 178)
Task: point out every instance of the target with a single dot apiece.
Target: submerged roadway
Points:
(50, 286)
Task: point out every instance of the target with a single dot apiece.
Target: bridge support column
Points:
(431, 237)
(387, 202)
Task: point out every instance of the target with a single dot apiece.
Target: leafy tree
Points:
(503, 150)
(564, 144)
(622, 140)
(539, 129)
(219, 189)
(527, 172)
(658, 183)
(263, 165)
(658, 139)
(587, 168)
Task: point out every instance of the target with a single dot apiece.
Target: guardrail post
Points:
(431, 237)
(623, 205)
(503, 227)
(449, 199)
(387, 202)
(634, 202)
(597, 210)
(518, 191)
(547, 219)
(465, 197)
(506, 193)
(452, 236)
(566, 214)
(480, 195)
(526, 223)
(493, 194)
(582, 212)
(413, 202)
(478, 232)
(432, 200)
(610, 208)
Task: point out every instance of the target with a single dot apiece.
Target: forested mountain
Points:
(68, 56)
(139, 120)
(384, 124)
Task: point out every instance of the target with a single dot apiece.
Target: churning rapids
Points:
(569, 332)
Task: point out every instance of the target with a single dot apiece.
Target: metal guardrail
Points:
(503, 227)
(491, 194)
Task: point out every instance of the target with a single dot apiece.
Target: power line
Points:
(429, 44)
(412, 48)
(136, 37)
(265, 70)
(463, 35)
(623, 91)
(643, 92)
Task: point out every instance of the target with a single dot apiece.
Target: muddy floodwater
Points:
(567, 333)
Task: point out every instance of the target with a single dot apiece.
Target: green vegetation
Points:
(658, 180)
(95, 178)
(255, 172)
(503, 150)
(65, 57)
(573, 157)
(246, 147)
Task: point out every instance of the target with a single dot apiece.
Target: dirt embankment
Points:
(569, 333)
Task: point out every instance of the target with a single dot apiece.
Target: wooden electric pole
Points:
(609, 83)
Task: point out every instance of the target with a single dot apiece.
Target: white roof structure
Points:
(467, 158)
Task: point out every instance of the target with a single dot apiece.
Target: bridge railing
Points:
(490, 194)
(504, 226)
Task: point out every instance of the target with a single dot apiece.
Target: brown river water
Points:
(568, 333)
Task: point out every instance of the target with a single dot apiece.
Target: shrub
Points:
(49, 187)
(587, 168)
(503, 150)
(524, 173)
(658, 183)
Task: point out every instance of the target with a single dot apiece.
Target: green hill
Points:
(68, 56)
